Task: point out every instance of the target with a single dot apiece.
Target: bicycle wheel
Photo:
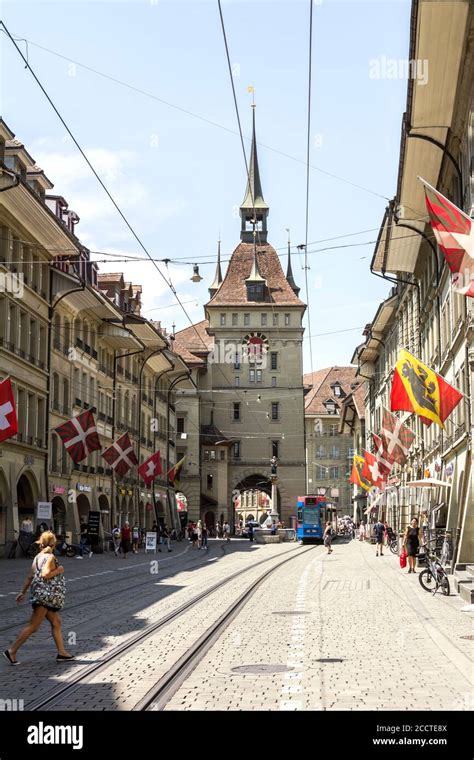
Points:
(70, 551)
(394, 547)
(444, 584)
(427, 580)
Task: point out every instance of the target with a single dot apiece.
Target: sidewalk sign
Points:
(150, 542)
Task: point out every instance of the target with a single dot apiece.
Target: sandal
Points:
(8, 657)
(64, 658)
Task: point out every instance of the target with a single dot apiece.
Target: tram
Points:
(313, 512)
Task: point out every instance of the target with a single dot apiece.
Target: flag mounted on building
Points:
(356, 474)
(383, 458)
(454, 233)
(174, 473)
(120, 455)
(151, 468)
(417, 388)
(397, 438)
(8, 418)
(373, 471)
(79, 436)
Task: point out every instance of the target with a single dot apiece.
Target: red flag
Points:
(385, 463)
(373, 471)
(120, 455)
(397, 438)
(454, 234)
(151, 468)
(79, 436)
(8, 418)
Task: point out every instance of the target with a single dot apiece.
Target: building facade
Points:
(72, 339)
(423, 313)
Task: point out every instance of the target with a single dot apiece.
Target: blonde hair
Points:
(47, 541)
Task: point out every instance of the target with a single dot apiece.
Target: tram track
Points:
(52, 699)
(107, 596)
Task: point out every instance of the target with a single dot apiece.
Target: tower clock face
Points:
(256, 344)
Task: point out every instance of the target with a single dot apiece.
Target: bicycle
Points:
(434, 576)
(26, 542)
(392, 542)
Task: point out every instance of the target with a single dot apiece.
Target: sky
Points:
(171, 154)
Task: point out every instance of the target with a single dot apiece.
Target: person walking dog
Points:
(47, 593)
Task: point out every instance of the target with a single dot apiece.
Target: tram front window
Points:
(311, 515)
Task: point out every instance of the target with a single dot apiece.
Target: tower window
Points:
(236, 411)
(275, 407)
(251, 375)
(274, 360)
(274, 382)
(235, 319)
(209, 482)
(263, 320)
(259, 376)
(287, 319)
(223, 319)
(275, 320)
(246, 319)
(237, 382)
(180, 425)
(255, 292)
(236, 450)
(275, 447)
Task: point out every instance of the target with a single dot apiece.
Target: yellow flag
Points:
(250, 88)
(417, 388)
(356, 475)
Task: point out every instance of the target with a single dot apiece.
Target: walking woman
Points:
(411, 542)
(328, 537)
(46, 598)
(126, 539)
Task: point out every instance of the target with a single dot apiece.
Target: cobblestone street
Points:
(346, 631)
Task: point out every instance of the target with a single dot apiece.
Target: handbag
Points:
(403, 558)
(49, 592)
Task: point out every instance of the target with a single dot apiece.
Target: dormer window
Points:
(331, 406)
(255, 291)
(337, 390)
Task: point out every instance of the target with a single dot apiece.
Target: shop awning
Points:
(429, 483)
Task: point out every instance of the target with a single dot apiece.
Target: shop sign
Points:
(44, 510)
(84, 488)
(59, 490)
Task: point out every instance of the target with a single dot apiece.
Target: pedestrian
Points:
(84, 541)
(194, 536)
(126, 538)
(411, 541)
(328, 537)
(362, 531)
(379, 532)
(204, 534)
(46, 596)
(199, 533)
(274, 529)
(167, 537)
(116, 538)
(135, 537)
(226, 531)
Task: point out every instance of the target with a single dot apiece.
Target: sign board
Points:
(93, 523)
(150, 542)
(44, 510)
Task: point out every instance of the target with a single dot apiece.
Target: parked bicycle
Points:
(26, 542)
(434, 575)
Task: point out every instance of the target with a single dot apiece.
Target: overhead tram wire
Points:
(188, 112)
(99, 179)
(307, 182)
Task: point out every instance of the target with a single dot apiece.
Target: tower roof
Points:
(218, 276)
(233, 291)
(253, 195)
(289, 273)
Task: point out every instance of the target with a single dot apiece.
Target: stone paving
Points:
(342, 631)
(111, 600)
(357, 633)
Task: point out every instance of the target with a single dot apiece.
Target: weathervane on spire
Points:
(251, 89)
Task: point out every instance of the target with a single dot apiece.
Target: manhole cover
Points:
(469, 638)
(261, 669)
(329, 659)
(292, 612)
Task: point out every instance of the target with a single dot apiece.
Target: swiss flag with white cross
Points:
(151, 468)
(79, 436)
(8, 418)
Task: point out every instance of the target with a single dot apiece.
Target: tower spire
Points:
(289, 272)
(218, 276)
(253, 207)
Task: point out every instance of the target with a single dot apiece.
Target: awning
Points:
(429, 483)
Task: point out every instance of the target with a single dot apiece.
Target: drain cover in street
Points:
(261, 669)
(292, 612)
(329, 659)
(469, 638)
